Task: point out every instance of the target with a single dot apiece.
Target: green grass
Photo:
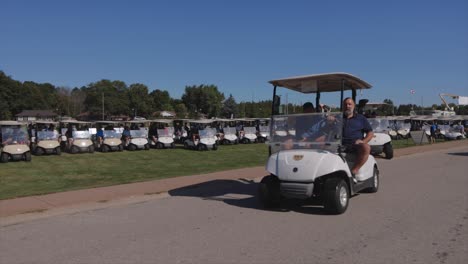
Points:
(49, 174)
(404, 143)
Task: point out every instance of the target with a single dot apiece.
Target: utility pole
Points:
(102, 105)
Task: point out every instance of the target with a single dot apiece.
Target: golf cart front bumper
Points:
(296, 190)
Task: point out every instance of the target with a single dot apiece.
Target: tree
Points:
(161, 100)
(230, 108)
(203, 99)
(116, 101)
(139, 100)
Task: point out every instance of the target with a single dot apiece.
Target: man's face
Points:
(348, 107)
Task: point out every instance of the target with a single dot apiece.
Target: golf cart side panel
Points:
(380, 139)
(304, 165)
(112, 142)
(48, 145)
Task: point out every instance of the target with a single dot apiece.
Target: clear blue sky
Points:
(240, 45)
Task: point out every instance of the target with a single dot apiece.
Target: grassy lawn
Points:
(404, 143)
(49, 174)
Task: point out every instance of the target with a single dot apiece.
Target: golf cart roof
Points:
(166, 121)
(327, 82)
(11, 123)
(201, 121)
(137, 121)
(45, 122)
(75, 122)
(108, 122)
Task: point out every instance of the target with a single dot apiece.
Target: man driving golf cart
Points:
(319, 169)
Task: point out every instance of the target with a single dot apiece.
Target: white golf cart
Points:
(381, 142)
(201, 136)
(452, 128)
(112, 137)
(14, 140)
(229, 135)
(47, 138)
(80, 140)
(138, 135)
(263, 130)
(164, 136)
(317, 168)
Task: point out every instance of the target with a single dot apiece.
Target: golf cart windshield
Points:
(166, 132)
(207, 133)
(14, 135)
(229, 130)
(400, 124)
(111, 134)
(81, 135)
(250, 130)
(264, 129)
(379, 124)
(47, 135)
(313, 131)
(138, 133)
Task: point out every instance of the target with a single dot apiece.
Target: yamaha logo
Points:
(298, 157)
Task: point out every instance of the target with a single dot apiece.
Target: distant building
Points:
(34, 115)
(166, 114)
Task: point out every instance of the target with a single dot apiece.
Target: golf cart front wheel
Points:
(336, 196)
(269, 192)
(4, 157)
(39, 151)
(27, 156)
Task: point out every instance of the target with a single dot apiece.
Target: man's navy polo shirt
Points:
(354, 128)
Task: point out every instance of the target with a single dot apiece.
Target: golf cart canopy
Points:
(10, 123)
(327, 82)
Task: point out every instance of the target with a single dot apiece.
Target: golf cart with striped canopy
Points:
(312, 164)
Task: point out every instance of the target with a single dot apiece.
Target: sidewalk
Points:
(42, 203)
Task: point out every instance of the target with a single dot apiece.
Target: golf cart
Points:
(14, 140)
(453, 129)
(112, 138)
(249, 132)
(402, 128)
(164, 136)
(47, 139)
(138, 135)
(80, 140)
(263, 130)
(201, 136)
(381, 142)
(317, 168)
(229, 135)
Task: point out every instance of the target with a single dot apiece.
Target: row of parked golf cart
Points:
(21, 139)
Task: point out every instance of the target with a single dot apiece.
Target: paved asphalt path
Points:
(420, 215)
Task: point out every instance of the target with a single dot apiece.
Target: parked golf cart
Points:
(403, 128)
(78, 136)
(381, 142)
(112, 138)
(249, 131)
(201, 136)
(138, 135)
(164, 136)
(46, 139)
(316, 169)
(15, 142)
(452, 128)
(263, 130)
(229, 135)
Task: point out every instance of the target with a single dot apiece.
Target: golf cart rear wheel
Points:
(269, 192)
(159, 145)
(74, 149)
(172, 145)
(131, 147)
(58, 151)
(336, 196)
(215, 146)
(186, 146)
(91, 149)
(120, 147)
(4, 157)
(388, 150)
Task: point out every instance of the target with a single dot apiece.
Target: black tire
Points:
(159, 145)
(147, 146)
(120, 147)
(58, 151)
(200, 147)
(335, 196)
(131, 147)
(27, 156)
(261, 140)
(215, 146)
(91, 149)
(4, 157)
(186, 146)
(172, 145)
(388, 150)
(269, 192)
(105, 148)
(74, 150)
(375, 182)
(39, 151)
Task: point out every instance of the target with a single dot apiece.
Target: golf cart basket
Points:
(321, 131)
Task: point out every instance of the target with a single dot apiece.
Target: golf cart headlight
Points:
(83, 144)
